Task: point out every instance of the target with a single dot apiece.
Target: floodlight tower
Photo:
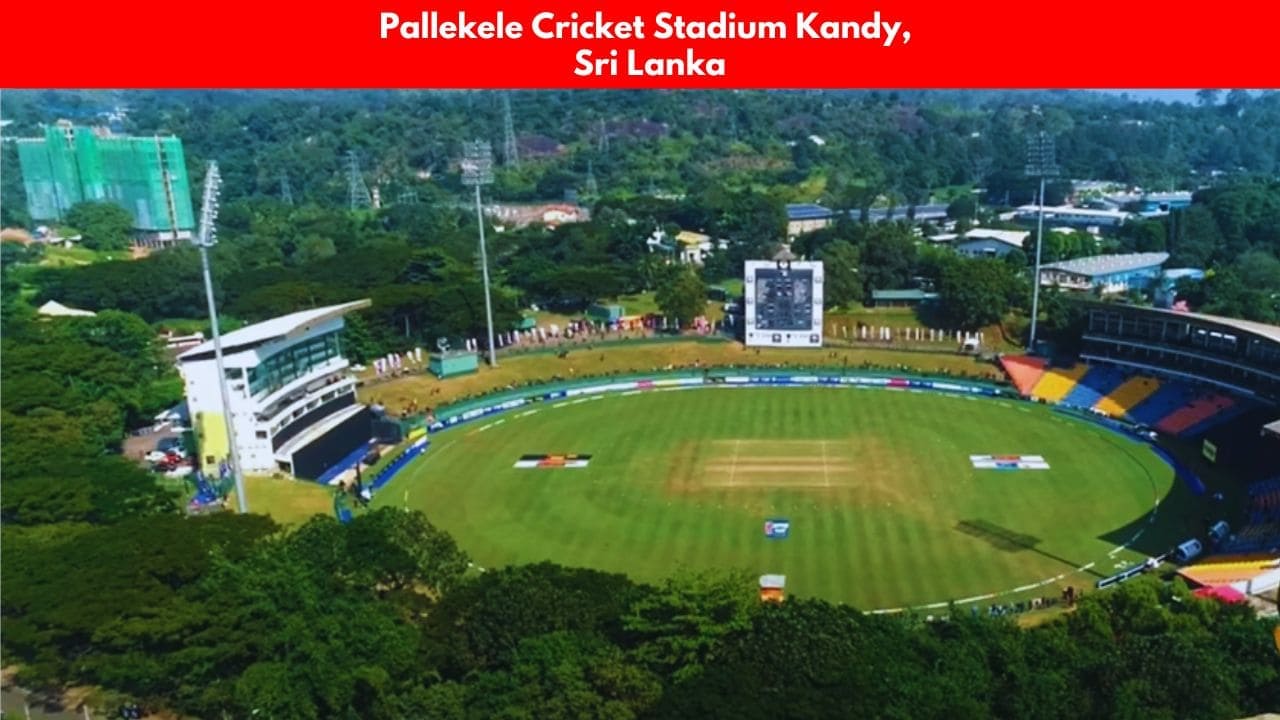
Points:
(205, 239)
(1041, 163)
(477, 170)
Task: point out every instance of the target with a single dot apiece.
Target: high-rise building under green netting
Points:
(146, 176)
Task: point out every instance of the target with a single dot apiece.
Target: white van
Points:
(1188, 551)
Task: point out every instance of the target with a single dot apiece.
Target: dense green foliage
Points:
(903, 144)
(103, 225)
(221, 616)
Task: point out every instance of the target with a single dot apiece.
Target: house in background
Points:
(807, 217)
(689, 248)
(53, 308)
(518, 215)
(989, 242)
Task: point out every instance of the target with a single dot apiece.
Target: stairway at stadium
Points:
(1100, 380)
(1129, 393)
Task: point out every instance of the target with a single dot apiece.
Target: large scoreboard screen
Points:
(783, 303)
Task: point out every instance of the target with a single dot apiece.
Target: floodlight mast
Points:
(1041, 163)
(477, 170)
(206, 238)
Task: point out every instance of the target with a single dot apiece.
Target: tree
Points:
(843, 284)
(682, 296)
(104, 225)
(974, 293)
(402, 550)
(1207, 97)
(680, 626)
(962, 208)
(479, 624)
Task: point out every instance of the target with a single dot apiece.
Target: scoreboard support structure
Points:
(783, 303)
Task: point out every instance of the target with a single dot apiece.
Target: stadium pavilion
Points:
(293, 401)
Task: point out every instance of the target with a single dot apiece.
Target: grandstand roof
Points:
(1096, 265)
(808, 211)
(275, 328)
(1270, 332)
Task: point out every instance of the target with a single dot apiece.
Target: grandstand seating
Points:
(1131, 392)
(1235, 409)
(1171, 406)
(1262, 529)
(1100, 380)
(1057, 382)
(1023, 370)
(1171, 396)
(1194, 413)
(1223, 570)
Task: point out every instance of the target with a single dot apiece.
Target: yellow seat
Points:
(1057, 382)
(1118, 402)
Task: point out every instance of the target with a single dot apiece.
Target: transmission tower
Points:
(357, 191)
(602, 141)
(510, 151)
(592, 188)
(286, 190)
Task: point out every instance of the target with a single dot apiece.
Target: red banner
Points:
(692, 44)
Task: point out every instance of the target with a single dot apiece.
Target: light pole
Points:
(205, 239)
(477, 170)
(1041, 163)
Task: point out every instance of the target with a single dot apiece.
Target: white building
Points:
(988, 242)
(293, 402)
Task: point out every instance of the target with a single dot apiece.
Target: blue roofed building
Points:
(807, 217)
(1108, 274)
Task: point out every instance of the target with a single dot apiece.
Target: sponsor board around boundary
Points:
(1008, 462)
(742, 380)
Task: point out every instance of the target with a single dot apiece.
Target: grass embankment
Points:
(585, 359)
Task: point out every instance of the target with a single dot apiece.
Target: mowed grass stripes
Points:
(885, 506)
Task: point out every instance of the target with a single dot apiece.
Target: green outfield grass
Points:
(886, 509)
